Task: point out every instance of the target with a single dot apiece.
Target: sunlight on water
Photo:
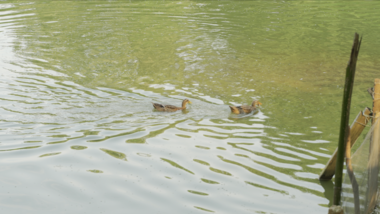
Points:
(78, 80)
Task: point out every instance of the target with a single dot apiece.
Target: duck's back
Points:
(244, 109)
(161, 107)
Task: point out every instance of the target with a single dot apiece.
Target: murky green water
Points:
(79, 134)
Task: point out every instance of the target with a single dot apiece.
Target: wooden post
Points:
(356, 128)
(373, 162)
(346, 104)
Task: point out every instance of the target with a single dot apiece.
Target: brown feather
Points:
(245, 109)
(170, 108)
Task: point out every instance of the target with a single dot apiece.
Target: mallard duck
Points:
(245, 109)
(171, 108)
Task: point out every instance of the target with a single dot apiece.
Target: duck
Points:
(245, 109)
(171, 108)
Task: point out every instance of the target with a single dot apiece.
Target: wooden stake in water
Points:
(356, 128)
(349, 83)
(374, 156)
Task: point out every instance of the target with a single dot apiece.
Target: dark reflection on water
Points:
(78, 80)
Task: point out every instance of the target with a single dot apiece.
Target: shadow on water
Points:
(242, 116)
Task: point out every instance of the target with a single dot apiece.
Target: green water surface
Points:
(77, 79)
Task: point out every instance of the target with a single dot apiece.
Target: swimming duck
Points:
(171, 108)
(245, 109)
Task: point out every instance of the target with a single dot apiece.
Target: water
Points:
(78, 130)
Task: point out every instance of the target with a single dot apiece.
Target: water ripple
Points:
(78, 79)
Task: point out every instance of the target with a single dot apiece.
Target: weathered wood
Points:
(356, 128)
(376, 98)
(346, 105)
(335, 210)
(350, 172)
(373, 162)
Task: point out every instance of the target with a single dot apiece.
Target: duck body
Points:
(245, 109)
(171, 108)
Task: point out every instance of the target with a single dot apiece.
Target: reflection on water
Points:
(78, 80)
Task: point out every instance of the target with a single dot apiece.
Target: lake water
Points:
(77, 81)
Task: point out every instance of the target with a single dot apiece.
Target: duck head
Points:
(184, 102)
(256, 103)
